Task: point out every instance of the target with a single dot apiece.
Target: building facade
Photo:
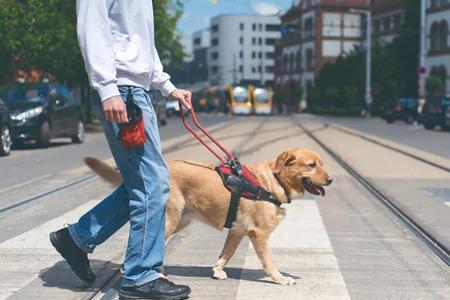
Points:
(315, 32)
(438, 41)
(387, 19)
(199, 64)
(242, 49)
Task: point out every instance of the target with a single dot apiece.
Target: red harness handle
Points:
(205, 132)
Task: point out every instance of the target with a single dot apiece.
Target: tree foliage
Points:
(41, 34)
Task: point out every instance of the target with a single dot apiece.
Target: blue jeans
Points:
(141, 198)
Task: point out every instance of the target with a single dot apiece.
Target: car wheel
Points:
(390, 121)
(429, 126)
(5, 140)
(43, 139)
(78, 137)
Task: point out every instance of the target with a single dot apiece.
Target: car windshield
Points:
(262, 96)
(445, 101)
(28, 93)
(408, 102)
(240, 94)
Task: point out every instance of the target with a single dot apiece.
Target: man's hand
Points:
(182, 96)
(115, 110)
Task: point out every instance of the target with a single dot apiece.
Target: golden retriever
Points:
(197, 191)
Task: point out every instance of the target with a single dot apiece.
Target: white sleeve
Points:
(96, 45)
(161, 81)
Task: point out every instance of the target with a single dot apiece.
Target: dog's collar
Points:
(284, 189)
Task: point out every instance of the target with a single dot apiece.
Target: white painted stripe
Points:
(300, 246)
(24, 256)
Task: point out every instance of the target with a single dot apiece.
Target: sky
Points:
(198, 12)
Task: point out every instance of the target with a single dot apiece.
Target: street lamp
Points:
(368, 13)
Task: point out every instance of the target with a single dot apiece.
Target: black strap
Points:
(233, 208)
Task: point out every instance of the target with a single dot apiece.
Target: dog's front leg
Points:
(260, 242)
(232, 242)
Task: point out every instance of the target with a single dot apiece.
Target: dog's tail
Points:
(105, 171)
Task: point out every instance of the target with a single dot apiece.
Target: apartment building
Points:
(316, 32)
(387, 19)
(242, 49)
(438, 41)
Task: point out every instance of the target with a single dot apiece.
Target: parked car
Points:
(173, 108)
(447, 117)
(42, 111)
(159, 105)
(5, 127)
(404, 109)
(434, 112)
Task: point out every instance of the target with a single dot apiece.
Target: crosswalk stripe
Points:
(300, 247)
(24, 256)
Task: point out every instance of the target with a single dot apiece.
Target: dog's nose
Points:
(329, 180)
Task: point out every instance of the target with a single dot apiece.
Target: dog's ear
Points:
(285, 159)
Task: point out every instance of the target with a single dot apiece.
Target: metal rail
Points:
(440, 250)
(421, 159)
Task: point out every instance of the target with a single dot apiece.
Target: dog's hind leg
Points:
(233, 240)
(260, 242)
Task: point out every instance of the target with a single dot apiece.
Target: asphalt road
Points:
(434, 141)
(29, 163)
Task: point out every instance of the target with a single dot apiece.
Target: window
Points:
(214, 42)
(215, 28)
(292, 62)
(214, 55)
(253, 54)
(197, 41)
(439, 35)
(377, 26)
(241, 40)
(241, 68)
(259, 69)
(286, 62)
(241, 54)
(254, 27)
(273, 27)
(270, 55)
(260, 55)
(270, 69)
(241, 26)
(309, 59)
(397, 22)
(253, 70)
(214, 70)
(299, 60)
(260, 41)
(260, 27)
(387, 24)
(271, 42)
(254, 41)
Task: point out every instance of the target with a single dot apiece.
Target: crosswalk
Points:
(300, 246)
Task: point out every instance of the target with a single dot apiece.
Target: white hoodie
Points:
(117, 41)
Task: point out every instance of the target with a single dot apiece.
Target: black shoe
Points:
(159, 289)
(77, 259)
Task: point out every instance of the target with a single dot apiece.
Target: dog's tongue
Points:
(321, 190)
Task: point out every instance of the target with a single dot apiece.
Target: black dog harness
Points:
(242, 184)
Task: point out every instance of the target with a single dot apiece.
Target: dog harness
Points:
(236, 178)
(242, 184)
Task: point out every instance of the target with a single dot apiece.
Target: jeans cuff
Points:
(146, 278)
(74, 233)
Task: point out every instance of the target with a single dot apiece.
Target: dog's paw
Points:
(219, 274)
(286, 280)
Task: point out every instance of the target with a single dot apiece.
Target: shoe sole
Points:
(125, 296)
(57, 245)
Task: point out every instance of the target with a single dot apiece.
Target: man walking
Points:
(117, 41)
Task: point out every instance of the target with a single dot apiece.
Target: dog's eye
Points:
(312, 165)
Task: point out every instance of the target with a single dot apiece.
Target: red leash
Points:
(229, 156)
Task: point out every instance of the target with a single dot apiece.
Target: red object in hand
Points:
(132, 134)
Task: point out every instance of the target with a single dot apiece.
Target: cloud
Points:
(265, 8)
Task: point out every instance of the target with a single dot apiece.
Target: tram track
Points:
(395, 149)
(427, 238)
